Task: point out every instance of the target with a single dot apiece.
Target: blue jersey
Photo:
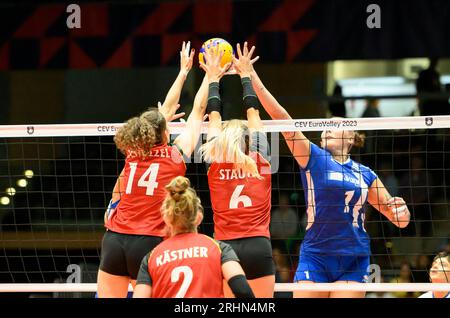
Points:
(335, 195)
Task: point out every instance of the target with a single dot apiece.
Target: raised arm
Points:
(296, 141)
(394, 208)
(214, 73)
(213, 109)
(170, 104)
(243, 66)
(214, 125)
(188, 139)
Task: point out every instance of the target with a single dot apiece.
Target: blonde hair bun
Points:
(177, 187)
(181, 205)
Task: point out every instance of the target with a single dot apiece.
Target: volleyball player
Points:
(239, 179)
(336, 247)
(134, 223)
(439, 274)
(188, 264)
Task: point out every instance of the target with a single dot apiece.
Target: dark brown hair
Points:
(359, 140)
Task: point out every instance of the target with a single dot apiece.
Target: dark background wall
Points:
(147, 33)
(111, 96)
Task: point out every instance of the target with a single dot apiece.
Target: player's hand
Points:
(186, 58)
(231, 70)
(243, 64)
(171, 116)
(400, 211)
(211, 66)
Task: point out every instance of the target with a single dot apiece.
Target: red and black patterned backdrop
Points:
(129, 34)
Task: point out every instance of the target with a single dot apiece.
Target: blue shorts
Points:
(328, 269)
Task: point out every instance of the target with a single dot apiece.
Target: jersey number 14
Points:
(357, 206)
(147, 180)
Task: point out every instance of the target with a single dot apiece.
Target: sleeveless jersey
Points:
(335, 194)
(185, 266)
(241, 203)
(139, 209)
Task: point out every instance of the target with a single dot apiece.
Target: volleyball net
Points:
(56, 182)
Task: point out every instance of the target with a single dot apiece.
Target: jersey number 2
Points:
(147, 180)
(237, 198)
(175, 277)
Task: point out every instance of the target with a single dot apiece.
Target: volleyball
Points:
(223, 46)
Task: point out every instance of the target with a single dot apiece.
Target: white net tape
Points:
(269, 126)
(95, 129)
(373, 287)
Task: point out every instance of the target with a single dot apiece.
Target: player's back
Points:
(241, 202)
(144, 180)
(187, 265)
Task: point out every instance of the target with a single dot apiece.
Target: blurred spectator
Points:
(447, 249)
(283, 270)
(447, 90)
(337, 108)
(416, 185)
(283, 223)
(390, 181)
(371, 111)
(40, 295)
(429, 78)
(372, 108)
(447, 87)
(404, 277)
(385, 229)
(428, 82)
(420, 273)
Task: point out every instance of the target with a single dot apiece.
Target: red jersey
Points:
(188, 265)
(139, 209)
(241, 203)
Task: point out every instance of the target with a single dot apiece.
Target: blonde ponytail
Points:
(231, 146)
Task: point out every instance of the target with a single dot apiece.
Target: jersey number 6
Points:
(236, 198)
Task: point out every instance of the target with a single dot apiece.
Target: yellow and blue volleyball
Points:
(223, 46)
